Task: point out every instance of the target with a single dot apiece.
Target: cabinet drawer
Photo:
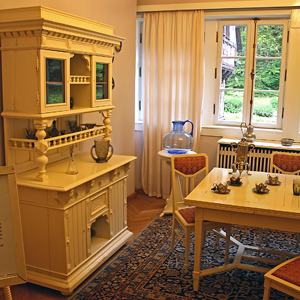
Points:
(98, 183)
(99, 203)
(117, 174)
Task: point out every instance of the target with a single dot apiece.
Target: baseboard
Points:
(140, 191)
(131, 197)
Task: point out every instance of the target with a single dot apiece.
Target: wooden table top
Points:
(279, 201)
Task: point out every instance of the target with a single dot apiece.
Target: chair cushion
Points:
(287, 163)
(188, 213)
(189, 165)
(290, 272)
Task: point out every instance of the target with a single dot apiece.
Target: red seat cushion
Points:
(290, 272)
(188, 213)
(189, 165)
(287, 163)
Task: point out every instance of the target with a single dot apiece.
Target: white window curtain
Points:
(172, 84)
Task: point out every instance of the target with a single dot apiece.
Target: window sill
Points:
(232, 132)
(264, 144)
(235, 132)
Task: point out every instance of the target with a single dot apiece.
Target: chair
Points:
(286, 163)
(185, 169)
(285, 278)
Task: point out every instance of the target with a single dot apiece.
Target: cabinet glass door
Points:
(101, 81)
(55, 83)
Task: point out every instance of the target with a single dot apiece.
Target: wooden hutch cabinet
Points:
(55, 68)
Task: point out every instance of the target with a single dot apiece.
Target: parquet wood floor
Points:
(140, 211)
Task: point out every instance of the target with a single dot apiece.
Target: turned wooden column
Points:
(106, 122)
(41, 148)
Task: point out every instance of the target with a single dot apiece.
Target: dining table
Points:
(275, 208)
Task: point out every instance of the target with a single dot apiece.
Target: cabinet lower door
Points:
(76, 234)
(118, 207)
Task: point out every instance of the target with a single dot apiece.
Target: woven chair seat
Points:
(285, 162)
(188, 213)
(285, 278)
(190, 165)
(290, 272)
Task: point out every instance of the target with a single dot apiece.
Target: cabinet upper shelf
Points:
(54, 65)
(49, 57)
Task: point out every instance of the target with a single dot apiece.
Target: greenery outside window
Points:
(55, 81)
(251, 72)
(101, 81)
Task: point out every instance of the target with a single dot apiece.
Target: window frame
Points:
(248, 67)
(219, 58)
(139, 102)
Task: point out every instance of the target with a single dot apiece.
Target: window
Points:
(250, 72)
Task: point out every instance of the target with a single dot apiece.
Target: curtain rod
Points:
(209, 6)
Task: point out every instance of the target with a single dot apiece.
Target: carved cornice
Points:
(104, 42)
(20, 33)
(73, 29)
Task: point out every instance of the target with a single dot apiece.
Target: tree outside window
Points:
(251, 66)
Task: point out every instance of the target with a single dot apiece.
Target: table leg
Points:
(198, 248)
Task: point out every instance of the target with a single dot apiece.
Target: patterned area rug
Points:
(146, 269)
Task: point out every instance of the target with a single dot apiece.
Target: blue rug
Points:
(146, 269)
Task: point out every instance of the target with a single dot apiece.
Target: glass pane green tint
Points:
(55, 83)
(232, 79)
(231, 105)
(267, 74)
(101, 81)
(265, 107)
(269, 40)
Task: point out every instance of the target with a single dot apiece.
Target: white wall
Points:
(122, 15)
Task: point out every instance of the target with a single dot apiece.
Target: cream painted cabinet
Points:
(56, 67)
(72, 224)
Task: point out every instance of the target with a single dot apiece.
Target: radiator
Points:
(259, 158)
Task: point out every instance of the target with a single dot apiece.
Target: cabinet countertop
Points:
(59, 181)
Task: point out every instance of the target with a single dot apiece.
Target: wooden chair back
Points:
(185, 170)
(287, 163)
